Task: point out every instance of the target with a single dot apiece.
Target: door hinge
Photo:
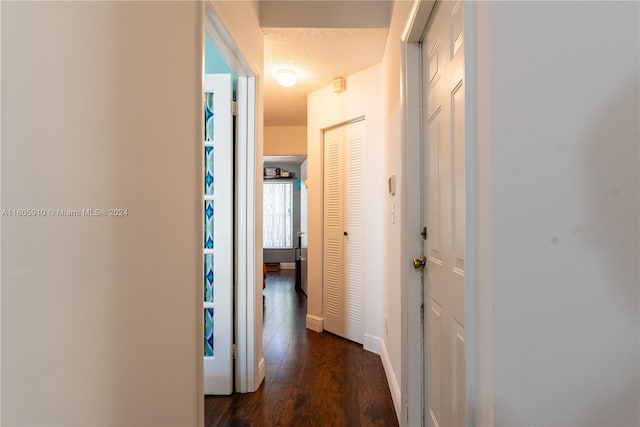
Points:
(234, 351)
(234, 108)
(424, 233)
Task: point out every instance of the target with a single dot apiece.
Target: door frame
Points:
(478, 292)
(249, 363)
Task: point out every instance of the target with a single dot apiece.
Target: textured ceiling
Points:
(317, 55)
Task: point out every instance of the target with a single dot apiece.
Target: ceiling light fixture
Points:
(286, 78)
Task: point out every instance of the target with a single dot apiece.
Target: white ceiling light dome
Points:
(286, 77)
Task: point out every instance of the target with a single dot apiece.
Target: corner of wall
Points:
(315, 323)
(372, 343)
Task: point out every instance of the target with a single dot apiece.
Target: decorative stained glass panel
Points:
(208, 224)
(208, 331)
(208, 278)
(208, 116)
(217, 231)
(208, 171)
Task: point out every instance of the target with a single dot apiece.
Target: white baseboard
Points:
(261, 371)
(314, 323)
(391, 379)
(287, 266)
(372, 343)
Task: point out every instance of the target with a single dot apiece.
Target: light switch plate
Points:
(392, 185)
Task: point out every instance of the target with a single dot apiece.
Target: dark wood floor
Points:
(311, 379)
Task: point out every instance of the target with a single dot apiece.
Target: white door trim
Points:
(478, 298)
(412, 333)
(247, 332)
(412, 411)
(249, 363)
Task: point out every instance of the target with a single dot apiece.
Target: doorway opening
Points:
(285, 215)
(246, 219)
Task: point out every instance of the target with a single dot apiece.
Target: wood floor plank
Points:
(311, 379)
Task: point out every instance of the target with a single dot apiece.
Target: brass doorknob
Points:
(419, 264)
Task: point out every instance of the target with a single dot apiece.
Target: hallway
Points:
(311, 379)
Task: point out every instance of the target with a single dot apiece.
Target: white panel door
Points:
(344, 239)
(444, 213)
(218, 234)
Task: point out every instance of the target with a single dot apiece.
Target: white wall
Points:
(326, 109)
(94, 118)
(558, 142)
(393, 120)
(285, 140)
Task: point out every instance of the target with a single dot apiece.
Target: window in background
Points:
(278, 215)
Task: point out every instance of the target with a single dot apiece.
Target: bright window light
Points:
(277, 231)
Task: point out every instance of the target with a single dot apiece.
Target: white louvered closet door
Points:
(344, 231)
(354, 226)
(333, 266)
